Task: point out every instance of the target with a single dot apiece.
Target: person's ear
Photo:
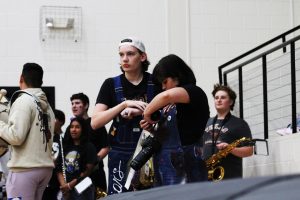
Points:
(143, 57)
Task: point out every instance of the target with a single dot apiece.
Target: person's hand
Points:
(136, 104)
(146, 125)
(222, 145)
(129, 113)
(64, 188)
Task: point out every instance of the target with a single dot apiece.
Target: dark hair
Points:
(33, 75)
(68, 142)
(174, 67)
(84, 137)
(60, 115)
(145, 63)
(228, 90)
(85, 99)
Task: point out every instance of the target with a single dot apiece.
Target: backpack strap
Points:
(42, 116)
(17, 93)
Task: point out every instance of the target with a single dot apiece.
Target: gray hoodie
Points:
(22, 132)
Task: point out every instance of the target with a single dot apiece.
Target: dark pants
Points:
(169, 167)
(88, 194)
(50, 193)
(195, 167)
(98, 177)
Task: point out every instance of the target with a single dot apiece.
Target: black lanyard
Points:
(213, 138)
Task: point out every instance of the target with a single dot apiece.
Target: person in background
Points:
(225, 128)
(29, 131)
(52, 188)
(80, 105)
(76, 161)
(123, 99)
(186, 110)
(4, 151)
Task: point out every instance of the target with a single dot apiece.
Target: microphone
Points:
(3, 92)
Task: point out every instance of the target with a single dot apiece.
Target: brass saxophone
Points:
(216, 173)
(100, 193)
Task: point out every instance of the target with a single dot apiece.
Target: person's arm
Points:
(242, 151)
(102, 114)
(19, 122)
(171, 96)
(238, 151)
(103, 152)
(63, 185)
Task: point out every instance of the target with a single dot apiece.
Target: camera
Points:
(156, 115)
(150, 146)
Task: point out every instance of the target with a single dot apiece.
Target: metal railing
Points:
(281, 36)
(263, 57)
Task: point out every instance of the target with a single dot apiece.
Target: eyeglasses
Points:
(126, 40)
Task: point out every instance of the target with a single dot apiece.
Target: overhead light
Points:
(66, 23)
(49, 22)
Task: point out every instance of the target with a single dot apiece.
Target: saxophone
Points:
(216, 173)
(100, 193)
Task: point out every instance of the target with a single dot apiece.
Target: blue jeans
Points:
(169, 167)
(195, 167)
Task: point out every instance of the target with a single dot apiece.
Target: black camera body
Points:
(150, 146)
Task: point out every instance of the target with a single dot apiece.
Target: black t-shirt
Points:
(192, 117)
(97, 137)
(232, 130)
(76, 158)
(107, 94)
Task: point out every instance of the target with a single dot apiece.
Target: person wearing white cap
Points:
(123, 99)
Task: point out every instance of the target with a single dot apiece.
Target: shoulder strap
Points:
(118, 89)
(150, 89)
(43, 117)
(17, 93)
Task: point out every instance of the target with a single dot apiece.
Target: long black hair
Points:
(84, 138)
(174, 67)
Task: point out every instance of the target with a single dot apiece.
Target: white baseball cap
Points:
(133, 42)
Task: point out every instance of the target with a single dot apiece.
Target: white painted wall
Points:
(205, 33)
(283, 158)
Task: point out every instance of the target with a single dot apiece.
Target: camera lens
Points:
(156, 116)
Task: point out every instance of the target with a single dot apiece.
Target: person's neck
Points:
(222, 114)
(134, 77)
(77, 142)
(84, 116)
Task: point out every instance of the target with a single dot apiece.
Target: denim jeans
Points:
(195, 167)
(169, 167)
